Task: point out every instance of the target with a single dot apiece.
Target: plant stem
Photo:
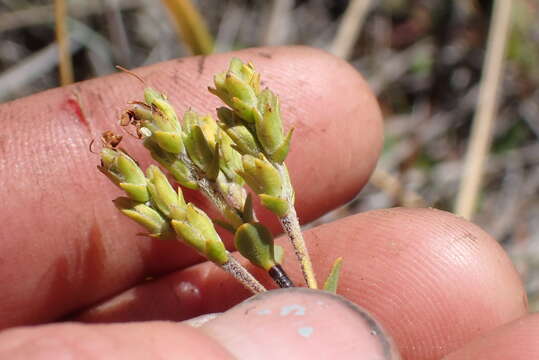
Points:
(209, 188)
(280, 277)
(290, 224)
(233, 267)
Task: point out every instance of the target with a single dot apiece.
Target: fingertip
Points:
(435, 280)
(300, 323)
(516, 340)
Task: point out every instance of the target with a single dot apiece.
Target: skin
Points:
(436, 284)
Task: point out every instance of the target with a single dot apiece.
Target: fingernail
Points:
(198, 321)
(300, 323)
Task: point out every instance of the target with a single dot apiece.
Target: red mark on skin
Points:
(72, 106)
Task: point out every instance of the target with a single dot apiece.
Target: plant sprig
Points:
(247, 145)
(254, 122)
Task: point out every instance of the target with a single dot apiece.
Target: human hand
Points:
(433, 281)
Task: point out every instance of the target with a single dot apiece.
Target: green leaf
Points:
(255, 242)
(248, 212)
(333, 278)
(281, 152)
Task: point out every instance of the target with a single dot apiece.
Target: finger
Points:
(516, 340)
(150, 340)
(63, 243)
(300, 323)
(283, 324)
(434, 281)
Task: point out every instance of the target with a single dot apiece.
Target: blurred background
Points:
(435, 65)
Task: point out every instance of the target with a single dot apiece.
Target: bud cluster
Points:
(247, 145)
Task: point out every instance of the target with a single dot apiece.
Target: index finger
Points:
(63, 245)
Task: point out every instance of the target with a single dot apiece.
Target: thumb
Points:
(280, 324)
(299, 323)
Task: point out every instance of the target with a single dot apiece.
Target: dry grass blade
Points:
(350, 27)
(394, 189)
(484, 118)
(62, 38)
(44, 14)
(118, 33)
(343, 43)
(190, 26)
(279, 23)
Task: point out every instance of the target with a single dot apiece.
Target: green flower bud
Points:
(275, 204)
(198, 219)
(268, 124)
(168, 141)
(261, 176)
(246, 72)
(124, 172)
(163, 122)
(238, 88)
(213, 154)
(255, 242)
(167, 120)
(151, 94)
(197, 230)
(243, 139)
(175, 166)
(236, 66)
(190, 235)
(163, 195)
(198, 148)
(152, 220)
(206, 123)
